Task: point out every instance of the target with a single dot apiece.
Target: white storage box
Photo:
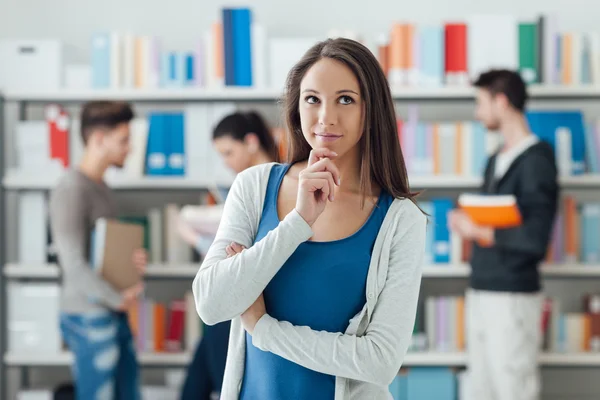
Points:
(31, 65)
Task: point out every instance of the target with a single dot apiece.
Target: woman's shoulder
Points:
(408, 212)
(256, 174)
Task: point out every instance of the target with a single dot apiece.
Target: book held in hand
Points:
(496, 211)
(113, 245)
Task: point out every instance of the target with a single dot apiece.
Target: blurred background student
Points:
(504, 300)
(243, 140)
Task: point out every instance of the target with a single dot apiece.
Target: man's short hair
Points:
(103, 115)
(509, 83)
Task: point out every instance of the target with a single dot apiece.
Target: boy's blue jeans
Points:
(105, 366)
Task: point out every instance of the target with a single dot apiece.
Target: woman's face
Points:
(331, 107)
(237, 154)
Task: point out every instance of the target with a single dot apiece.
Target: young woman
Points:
(318, 262)
(243, 140)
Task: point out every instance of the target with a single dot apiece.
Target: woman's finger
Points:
(326, 165)
(319, 176)
(237, 247)
(317, 154)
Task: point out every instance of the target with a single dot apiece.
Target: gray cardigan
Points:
(366, 358)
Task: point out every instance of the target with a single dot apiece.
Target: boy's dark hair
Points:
(103, 115)
(507, 82)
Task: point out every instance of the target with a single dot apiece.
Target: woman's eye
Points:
(311, 99)
(346, 100)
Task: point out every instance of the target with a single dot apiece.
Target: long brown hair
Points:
(382, 159)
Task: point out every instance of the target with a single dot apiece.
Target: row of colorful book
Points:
(575, 237)
(234, 51)
(175, 143)
(178, 143)
(435, 383)
(576, 233)
(440, 325)
(461, 148)
(571, 331)
(165, 326)
(455, 52)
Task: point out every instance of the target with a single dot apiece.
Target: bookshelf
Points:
(537, 91)
(412, 359)
(20, 181)
(174, 271)
(15, 182)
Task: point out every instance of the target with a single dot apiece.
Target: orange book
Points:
(571, 229)
(133, 318)
(458, 168)
(496, 211)
(219, 63)
(587, 332)
(160, 322)
(436, 150)
(460, 323)
(567, 59)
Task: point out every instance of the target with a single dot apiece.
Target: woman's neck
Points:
(92, 167)
(261, 158)
(349, 167)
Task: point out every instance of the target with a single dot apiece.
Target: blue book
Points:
(242, 45)
(100, 60)
(172, 67)
(228, 47)
(157, 146)
(165, 69)
(432, 55)
(427, 207)
(479, 155)
(420, 161)
(441, 244)
(176, 150)
(189, 72)
(591, 145)
(546, 123)
(590, 226)
(398, 387)
(432, 383)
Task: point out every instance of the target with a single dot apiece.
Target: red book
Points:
(456, 67)
(176, 326)
(58, 128)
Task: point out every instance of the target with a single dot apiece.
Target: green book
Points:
(528, 52)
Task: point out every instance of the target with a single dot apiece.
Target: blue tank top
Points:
(322, 285)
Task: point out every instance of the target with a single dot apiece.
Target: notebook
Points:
(496, 211)
(113, 245)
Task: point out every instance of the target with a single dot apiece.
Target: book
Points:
(496, 211)
(204, 219)
(113, 244)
